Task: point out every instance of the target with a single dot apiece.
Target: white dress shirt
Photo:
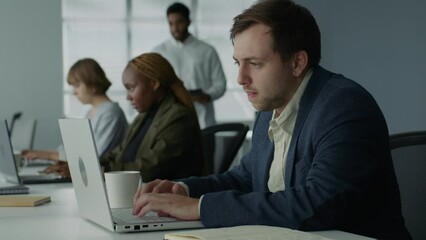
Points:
(197, 64)
(280, 133)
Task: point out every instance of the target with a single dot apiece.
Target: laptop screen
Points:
(85, 171)
(7, 162)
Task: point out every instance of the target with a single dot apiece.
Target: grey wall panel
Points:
(31, 65)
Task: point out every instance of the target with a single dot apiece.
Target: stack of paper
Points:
(252, 232)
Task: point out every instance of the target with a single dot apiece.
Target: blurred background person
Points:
(195, 62)
(109, 123)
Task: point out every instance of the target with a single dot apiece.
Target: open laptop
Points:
(40, 177)
(9, 179)
(89, 186)
(22, 137)
(33, 172)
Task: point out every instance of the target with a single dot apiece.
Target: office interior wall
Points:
(31, 65)
(380, 44)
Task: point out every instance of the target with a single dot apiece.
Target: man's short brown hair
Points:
(293, 28)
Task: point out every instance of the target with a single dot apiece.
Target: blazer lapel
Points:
(319, 77)
(264, 146)
(152, 132)
(135, 128)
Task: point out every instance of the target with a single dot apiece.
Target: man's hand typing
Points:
(167, 199)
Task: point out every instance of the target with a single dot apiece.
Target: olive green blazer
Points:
(171, 148)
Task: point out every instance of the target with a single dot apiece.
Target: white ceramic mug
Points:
(121, 187)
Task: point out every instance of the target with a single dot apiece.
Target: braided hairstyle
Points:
(156, 68)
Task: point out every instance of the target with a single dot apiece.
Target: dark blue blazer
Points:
(339, 171)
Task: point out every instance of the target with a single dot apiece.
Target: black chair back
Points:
(221, 144)
(15, 117)
(409, 159)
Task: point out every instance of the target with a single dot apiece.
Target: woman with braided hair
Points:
(164, 141)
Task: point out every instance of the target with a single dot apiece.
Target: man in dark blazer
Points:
(330, 166)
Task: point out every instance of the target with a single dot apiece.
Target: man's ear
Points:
(300, 62)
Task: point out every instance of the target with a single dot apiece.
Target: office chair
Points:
(221, 144)
(409, 159)
(15, 117)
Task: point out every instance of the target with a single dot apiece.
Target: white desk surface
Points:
(60, 219)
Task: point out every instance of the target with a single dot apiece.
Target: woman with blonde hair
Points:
(164, 140)
(90, 84)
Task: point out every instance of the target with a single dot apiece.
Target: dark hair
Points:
(293, 28)
(178, 8)
(89, 72)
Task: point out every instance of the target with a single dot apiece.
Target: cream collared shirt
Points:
(280, 133)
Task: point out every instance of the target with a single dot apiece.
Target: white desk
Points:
(59, 219)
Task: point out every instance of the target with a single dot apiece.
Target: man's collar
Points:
(187, 40)
(291, 108)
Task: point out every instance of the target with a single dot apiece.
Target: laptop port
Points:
(145, 225)
(137, 227)
(126, 227)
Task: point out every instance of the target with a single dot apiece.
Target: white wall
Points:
(380, 44)
(31, 65)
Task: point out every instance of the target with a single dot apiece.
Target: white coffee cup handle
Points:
(140, 182)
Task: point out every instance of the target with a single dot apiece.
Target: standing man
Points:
(195, 62)
(320, 156)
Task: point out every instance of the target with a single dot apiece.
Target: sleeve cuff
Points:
(187, 194)
(184, 187)
(199, 205)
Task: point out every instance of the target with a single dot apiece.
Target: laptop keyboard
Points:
(126, 215)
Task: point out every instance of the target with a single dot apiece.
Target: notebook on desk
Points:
(89, 187)
(9, 179)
